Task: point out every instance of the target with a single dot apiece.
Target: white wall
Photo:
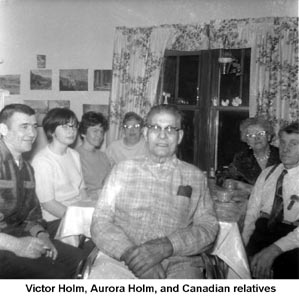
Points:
(79, 34)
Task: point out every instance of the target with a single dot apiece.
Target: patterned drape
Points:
(274, 63)
(277, 72)
(138, 55)
(137, 60)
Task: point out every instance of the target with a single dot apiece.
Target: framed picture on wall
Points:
(96, 107)
(102, 80)
(10, 83)
(41, 107)
(3, 95)
(73, 80)
(41, 79)
(41, 61)
(58, 103)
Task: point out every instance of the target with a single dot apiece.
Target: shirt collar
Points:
(293, 171)
(7, 154)
(170, 163)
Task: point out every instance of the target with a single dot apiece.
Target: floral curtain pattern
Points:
(274, 63)
(137, 59)
(190, 37)
(277, 73)
(138, 55)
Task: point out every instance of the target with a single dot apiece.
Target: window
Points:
(213, 103)
(228, 138)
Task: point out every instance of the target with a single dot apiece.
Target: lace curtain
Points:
(138, 55)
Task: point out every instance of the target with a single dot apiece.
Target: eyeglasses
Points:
(169, 130)
(255, 135)
(135, 126)
(70, 126)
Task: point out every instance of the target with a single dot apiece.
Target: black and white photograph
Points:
(102, 80)
(41, 79)
(97, 108)
(73, 80)
(41, 61)
(41, 107)
(10, 83)
(152, 141)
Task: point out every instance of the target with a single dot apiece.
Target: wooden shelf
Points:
(230, 108)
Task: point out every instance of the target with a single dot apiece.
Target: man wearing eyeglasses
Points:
(132, 144)
(271, 230)
(155, 215)
(26, 250)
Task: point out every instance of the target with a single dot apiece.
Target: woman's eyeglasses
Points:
(70, 126)
(256, 135)
(135, 126)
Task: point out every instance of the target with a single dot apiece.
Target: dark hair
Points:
(92, 118)
(165, 108)
(260, 121)
(8, 110)
(291, 128)
(132, 116)
(56, 117)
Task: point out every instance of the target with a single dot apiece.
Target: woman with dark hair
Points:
(57, 167)
(247, 165)
(95, 163)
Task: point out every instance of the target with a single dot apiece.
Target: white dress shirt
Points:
(261, 200)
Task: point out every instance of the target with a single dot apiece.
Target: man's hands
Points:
(51, 250)
(32, 247)
(144, 260)
(261, 263)
(155, 272)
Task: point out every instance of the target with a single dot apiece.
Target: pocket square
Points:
(294, 198)
(184, 190)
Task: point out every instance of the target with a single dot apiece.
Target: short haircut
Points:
(7, 112)
(172, 109)
(132, 116)
(260, 121)
(92, 118)
(291, 128)
(56, 117)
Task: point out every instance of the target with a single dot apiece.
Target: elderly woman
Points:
(247, 165)
(132, 144)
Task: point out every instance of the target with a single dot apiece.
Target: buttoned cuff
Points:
(175, 242)
(285, 244)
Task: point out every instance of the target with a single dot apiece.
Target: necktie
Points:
(276, 215)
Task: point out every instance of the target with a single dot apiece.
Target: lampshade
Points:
(225, 60)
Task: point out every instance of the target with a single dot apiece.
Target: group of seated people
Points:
(154, 215)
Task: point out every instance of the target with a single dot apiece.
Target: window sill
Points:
(230, 108)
